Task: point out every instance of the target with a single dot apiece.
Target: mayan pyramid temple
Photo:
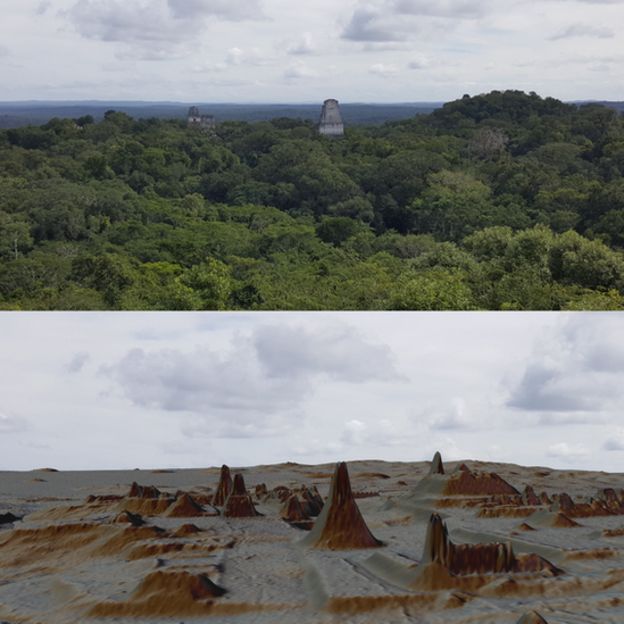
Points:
(331, 123)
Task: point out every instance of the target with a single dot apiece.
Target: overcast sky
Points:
(89, 391)
(285, 51)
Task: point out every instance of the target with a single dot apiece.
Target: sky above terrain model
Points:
(285, 51)
(161, 390)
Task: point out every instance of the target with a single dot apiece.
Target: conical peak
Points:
(341, 485)
(341, 525)
(239, 488)
(436, 465)
(436, 542)
(224, 488)
(239, 503)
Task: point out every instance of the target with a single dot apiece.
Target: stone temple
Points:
(203, 122)
(331, 123)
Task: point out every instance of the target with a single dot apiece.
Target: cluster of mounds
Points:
(446, 566)
(220, 551)
(496, 498)
(464, 559)
(147, 501)
(298, 506)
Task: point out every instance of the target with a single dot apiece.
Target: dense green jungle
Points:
(503, 201)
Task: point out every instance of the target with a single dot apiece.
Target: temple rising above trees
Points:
(203, 122)
(331, 123)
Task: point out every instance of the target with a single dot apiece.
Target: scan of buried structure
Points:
(372, 542)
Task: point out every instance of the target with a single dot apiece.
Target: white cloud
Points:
(305, 45)
(251, 388)
(78, 362)
(155, 49)
(419, 62)
(380, 69)
(615, 442)
(337, 351)
(584, 30)
(299, 70)
(157, 26)
(575, 373)
(563, 450)
(12, 424)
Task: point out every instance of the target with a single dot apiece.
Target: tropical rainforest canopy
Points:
(500, 201)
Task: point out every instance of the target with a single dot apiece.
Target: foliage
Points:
(500, 201)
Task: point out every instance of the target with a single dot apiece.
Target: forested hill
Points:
(500, 201)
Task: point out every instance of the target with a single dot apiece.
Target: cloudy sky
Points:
(87, 391)
(285, 51)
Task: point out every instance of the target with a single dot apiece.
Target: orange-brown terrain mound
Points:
(608, 503)
(340, 525)
(505, 511)
(27, 546)
(309, 497)
(105, 560)
(294, 513)
(239, 503)
(465, 559)
(223, 488)
(143, 491)
(467, 483)
(186, 530)
(185, 506)
(166, 594)
(526, 527)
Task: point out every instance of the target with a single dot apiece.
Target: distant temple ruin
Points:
(331, 123)
(206, 123)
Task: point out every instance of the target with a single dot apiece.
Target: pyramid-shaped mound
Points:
(185, 506)
(186, 530)
(552, 519)
(465, 482)
(182, 585)
(143, 491)
(127, 517)
(436, 465)
(224, 488)
(239, 503)
(461, 484)
(529, 497)
(312, 501)
(340, 525)
(295, 514)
